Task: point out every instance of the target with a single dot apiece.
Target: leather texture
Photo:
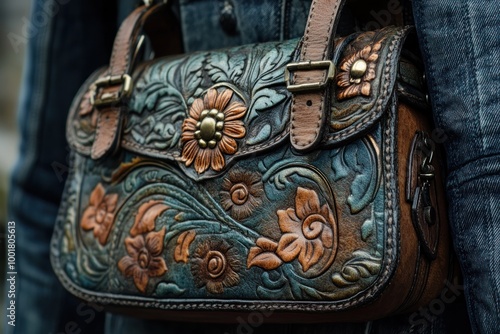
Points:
(308, 108)
(206, 204)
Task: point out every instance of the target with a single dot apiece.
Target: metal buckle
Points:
(308, 66)
(109, 99)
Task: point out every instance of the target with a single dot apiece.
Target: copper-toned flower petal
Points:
(181, 252)
(366, 88)
(306, 202)
(210, 98)
(267, 244)
(88, 218)
(218, 162)
(141, 280)
(235, 129)
(310, 254)
(266, 260)
(289, 247)
(127, 266)
(351, 91)
(154, 242)
(97, 195)
(134, 245)
(223, 99)
(146, 216)
(343, 79)
(190, 151)
(202, 161)
(288, 221)
(236, 110)
(188, 129)
(196, 108)
(228, 145)
(102, 231)
(157, 267)
(111, 201)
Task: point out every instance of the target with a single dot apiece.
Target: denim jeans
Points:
(461, 47)
(459, 44)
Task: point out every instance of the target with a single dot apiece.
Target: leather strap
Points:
(111, 89)
(308, 111)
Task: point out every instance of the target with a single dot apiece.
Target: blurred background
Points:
(11, 67)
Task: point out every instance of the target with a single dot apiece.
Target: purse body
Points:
(204, 205)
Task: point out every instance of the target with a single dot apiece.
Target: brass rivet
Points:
(218, 135)
(197, 134)
(204, 114)
(212, 143)
(213, 113)
(202, 143)
(358, 70)
(219, 126)
(207, 128)
(220, 117)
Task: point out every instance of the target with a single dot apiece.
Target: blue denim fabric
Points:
(67, 34)
(78, 39)
(461, 45)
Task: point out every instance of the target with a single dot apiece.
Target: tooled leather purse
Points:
(297, 177)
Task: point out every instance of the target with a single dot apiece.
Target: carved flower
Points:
(144, 258)
(211, 129)
(215, 265)
(241, 193)
(100, 213)
(307, 230)
(357, 72)
(145, 246)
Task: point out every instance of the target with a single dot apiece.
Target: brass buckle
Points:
(108, 99)
(309, 66)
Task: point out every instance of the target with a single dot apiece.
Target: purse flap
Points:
(235, 101)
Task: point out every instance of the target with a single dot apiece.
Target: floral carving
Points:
(146, 215)
(357, 71)
(100, 213)
(211, 129)
(144, 258)
(241, 193)
(307, 232)
(264, 255)
(145, 246)
(181, 252)
(215, 266)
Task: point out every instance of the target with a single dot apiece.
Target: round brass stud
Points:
(358, 70)
(207, 128)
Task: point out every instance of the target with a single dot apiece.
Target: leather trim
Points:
(308, 109)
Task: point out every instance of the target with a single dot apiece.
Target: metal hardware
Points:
(109, 99)
(148, 3)
(426, 169)
(309, 66)
(358, 70)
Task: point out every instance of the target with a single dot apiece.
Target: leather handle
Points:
(112, 89)
(126, 40)
(310, 79)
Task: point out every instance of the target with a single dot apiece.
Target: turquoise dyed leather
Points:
(205, 210)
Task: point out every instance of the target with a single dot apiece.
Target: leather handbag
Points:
(295, 177)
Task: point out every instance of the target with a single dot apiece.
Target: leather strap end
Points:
(107, 133)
